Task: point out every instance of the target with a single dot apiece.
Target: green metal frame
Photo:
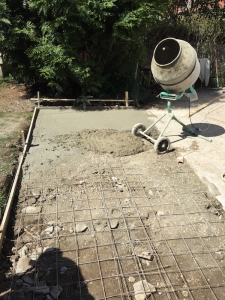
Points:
(171, 97)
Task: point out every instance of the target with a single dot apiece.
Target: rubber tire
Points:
(137, 128)
(162, 145)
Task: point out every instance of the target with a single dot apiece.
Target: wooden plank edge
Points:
(90, 100)
(199, 108)
(6, 215)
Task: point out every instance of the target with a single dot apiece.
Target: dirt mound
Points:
(117, 143)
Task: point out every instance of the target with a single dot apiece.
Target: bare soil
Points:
(15, 115)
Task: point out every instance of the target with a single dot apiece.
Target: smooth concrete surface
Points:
(67, 120)
(54, 127)
(206, 158)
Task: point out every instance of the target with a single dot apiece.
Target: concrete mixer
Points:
(175, 66)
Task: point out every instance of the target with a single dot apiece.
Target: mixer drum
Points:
(175, 65)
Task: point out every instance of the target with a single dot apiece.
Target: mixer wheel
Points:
(162, 145)
(137, 128)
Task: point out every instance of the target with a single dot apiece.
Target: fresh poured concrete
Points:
(67, 120)
(57, 129)
(205, 157)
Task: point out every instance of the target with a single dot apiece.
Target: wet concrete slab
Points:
(206, 157)
(66, 120)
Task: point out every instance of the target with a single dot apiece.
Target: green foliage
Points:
(202, 26)
(92, 47)
(4, 21)
(83, 100)
(6, 81)
(79, 47)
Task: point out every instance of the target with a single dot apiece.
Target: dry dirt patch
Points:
(15, 115)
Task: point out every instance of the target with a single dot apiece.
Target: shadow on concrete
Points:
(51, 276)
(207, 129)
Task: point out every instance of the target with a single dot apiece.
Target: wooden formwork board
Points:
(126, 101)
(39, 100)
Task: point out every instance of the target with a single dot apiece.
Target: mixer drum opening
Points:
(167, 52)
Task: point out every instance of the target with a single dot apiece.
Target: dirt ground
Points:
(15, 115)
(98, 211)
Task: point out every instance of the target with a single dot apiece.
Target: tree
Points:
(201, 24)
(80, 47)
(3, 20)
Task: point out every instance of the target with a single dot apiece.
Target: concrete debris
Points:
(120, 187)
(49, 229)
(146, 255)
(36, 193)
(81, 182)
(18, 231)
(131, 279)
(31, 201)
(119, 184)
(28, 280)
(143, 289)
(160, 213)
(219, 255)
(14, 258)
(114, 223)
(23, 265)
(51, 197)
(55, 291)
(150, 192)
(71, 230)
(81, 227)
(26, 238)
(41, 199)
(114, 179)
(63, 270)
(36, 253)
(180, 159)
(185, 294)
(58, 229)
(48, 249)
(23, 251)
(32, 210)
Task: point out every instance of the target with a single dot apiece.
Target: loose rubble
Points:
(81, 227)
(143, 289)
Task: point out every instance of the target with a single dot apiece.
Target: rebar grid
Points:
(99, 192)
